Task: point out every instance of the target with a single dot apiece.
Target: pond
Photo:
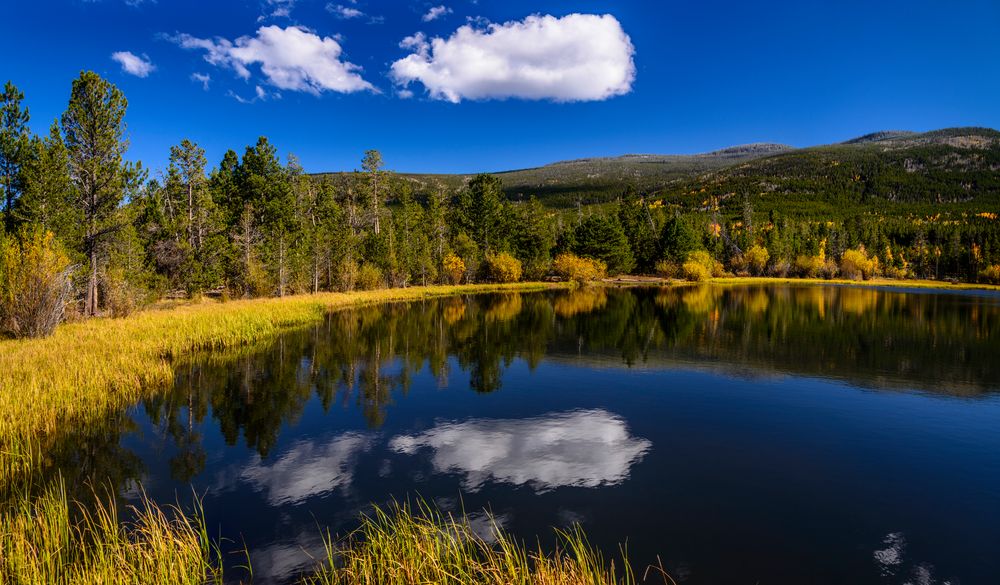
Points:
(748, 434)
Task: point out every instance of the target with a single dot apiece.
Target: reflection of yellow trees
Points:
(505, 308)
(700, 299)
(757, 302)
(858, 301)
(580, 302)
(454, 310)
(814, 296)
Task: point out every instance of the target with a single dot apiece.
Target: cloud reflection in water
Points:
(308, 469)
(583, 448)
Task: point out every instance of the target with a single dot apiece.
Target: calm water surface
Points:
(773, 435)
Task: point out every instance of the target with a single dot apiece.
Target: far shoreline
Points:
(875, 283)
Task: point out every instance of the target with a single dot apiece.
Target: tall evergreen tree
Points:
(94, 129)
(677, 239)
(48, 191)
(14, 148)
(603, 238)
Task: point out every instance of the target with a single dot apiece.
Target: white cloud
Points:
(134, 64)
(292, 58)
(436, 13)
(586, 448)
(343, 12)
(579, 57)
(308, 469)
(203, 78)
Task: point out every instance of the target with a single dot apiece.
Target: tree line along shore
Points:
(87, 232)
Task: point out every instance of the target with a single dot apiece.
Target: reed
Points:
(46, 538)
(407, 544)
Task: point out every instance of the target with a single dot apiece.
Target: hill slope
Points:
(951, 166)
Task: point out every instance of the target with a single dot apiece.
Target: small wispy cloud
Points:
(133, 64)
(203, 78)
(436, 13)
(344, 12)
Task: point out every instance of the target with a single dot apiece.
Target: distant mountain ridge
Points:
(947, 165)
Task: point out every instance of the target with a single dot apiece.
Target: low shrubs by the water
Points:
(454, 268)
(579, 269)
(700, 266)
(667, 269)
(991, 274)
(756, 259)
(369, 277)
(34, 284)
(404, 545)
(503, 268)
(857, 265)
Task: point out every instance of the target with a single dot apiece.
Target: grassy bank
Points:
(85, 373)
(771, 280)
(88, 369)
(49, 539)
(875, 282)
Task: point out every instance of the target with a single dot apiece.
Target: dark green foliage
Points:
(602, 237)
(15, 147)
(677, 239)
(637, 221)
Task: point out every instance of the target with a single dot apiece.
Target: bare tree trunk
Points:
(91, 303)
(375, 200)
(190, 225)
(281, 266)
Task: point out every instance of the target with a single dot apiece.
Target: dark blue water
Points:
(742, 435)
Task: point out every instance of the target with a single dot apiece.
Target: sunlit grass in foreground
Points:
(405, 544)
(46, 538)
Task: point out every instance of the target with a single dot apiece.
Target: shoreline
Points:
(877, 283)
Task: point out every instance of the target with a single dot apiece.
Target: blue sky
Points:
(655, 76)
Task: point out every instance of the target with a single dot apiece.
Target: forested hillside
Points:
(89, 232)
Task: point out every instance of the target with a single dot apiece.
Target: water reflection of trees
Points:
(368, 356)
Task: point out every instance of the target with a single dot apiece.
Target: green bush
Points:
(667, 269)
(369, 277)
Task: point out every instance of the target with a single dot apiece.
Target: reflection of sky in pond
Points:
(308, 469)
(741, 434)
(581, 449)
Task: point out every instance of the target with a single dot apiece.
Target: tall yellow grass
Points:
(405, 544)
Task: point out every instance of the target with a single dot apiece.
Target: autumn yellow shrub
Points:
(503, 268)
(667, 269)
(856, 265)
(809, 266)
(701, 266)
(756, 258)
(34, 284)
(695, 271)
(577, 269)
(454, 268)
(991, 274)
